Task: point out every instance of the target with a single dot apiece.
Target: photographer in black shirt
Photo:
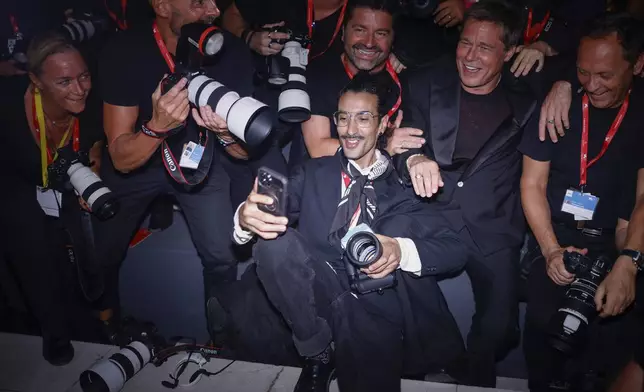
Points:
(131, 70)
(591, 163)
(43, 224)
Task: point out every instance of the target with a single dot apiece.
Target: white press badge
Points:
(581, 205)
(49, 200)
(191, 155)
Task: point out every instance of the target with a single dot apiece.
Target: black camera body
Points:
(570, 324)
(301, 38)
(361, 249)
(71, 172)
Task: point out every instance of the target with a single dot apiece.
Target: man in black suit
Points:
(306, 276)
(472, 120)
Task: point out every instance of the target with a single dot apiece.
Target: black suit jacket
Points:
(431, 336)
(313, 196)
(486, 190)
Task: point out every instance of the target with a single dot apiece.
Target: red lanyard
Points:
(311, 22)
(122, 24)
(14, 24)
(584, 164)
(394, 76)
(532, 33)
(164, 49)
(75, 133)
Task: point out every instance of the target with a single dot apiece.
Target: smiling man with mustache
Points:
(367, 36)
(367, 337)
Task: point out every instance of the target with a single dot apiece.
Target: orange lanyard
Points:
(612, 131)
(311, 24)
(394, 76)
(532, 33)
(164, 49)
(122, 24)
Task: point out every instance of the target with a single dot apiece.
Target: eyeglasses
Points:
(362, 119)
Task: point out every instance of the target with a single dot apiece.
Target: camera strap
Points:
(532, 33)
(310, 22)
(394, 76)
(45, 154)
(612, 131)
(199, 174)
(169, 161)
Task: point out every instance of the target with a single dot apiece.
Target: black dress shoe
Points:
(317, 373)
(58, 352)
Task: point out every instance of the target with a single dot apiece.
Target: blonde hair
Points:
(43, 46)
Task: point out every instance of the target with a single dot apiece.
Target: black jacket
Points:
(486, 190)
(432, 338)
(314, 191)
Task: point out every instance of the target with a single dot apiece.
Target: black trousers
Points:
(315, 301)
(35, 247)
(495, 329)
(609, 343)
(207, 210)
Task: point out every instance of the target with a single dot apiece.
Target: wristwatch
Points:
(636, 255)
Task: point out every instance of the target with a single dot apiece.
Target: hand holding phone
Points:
(264, 211)
(273, 185)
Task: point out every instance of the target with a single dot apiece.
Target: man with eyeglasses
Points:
(137, 118)
(365, 337)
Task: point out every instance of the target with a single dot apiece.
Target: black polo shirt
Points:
(610, 178)
(327, 77)
(132, 66)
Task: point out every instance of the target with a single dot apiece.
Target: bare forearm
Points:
(537, 212)
(237, 151)
(324, 147)
(132, 150)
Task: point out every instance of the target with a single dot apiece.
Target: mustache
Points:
(352, 137)
(365, 47)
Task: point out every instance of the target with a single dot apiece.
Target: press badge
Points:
(581, 205)
(191, 156)
(49, 201)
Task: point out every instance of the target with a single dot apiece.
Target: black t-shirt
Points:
(22, 154)
(132, 66)
(293, 12)
(326, 78)
(610, 178)
(472, 132)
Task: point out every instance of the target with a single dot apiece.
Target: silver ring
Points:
(419, 176)
(269, 44)
(550, 121)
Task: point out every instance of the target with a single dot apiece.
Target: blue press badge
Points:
(582, 205)
(191, 156)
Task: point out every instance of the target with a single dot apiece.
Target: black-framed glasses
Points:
(362, 119)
